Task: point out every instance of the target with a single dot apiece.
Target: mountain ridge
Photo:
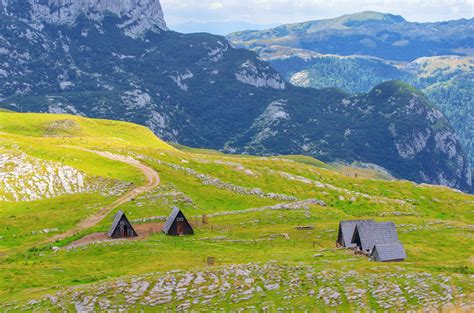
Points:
(220, 28)
(347, 20)
(434, 57)
(382, 35)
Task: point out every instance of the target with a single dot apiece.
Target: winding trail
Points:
(153, 181)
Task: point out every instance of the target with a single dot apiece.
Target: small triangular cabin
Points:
(367, 235)
(346, 232)
(177, 224)
(389, 252)
(121, 227)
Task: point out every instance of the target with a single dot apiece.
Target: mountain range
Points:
(376, 34)
(218, 27)
(118, 60)
(358, 51)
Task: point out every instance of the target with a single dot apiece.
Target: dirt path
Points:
(153, 181)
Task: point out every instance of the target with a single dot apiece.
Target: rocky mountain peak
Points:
(139, 15)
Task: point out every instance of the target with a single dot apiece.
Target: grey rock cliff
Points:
(138, 15)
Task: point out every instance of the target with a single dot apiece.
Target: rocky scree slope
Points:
(200, 91)
(25, 178)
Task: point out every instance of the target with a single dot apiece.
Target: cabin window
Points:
(180, 219)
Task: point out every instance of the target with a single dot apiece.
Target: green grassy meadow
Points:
(245, 227)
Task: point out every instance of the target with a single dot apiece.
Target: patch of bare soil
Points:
(62, 128)
(143, 230)
(92, 238)
(148, 229)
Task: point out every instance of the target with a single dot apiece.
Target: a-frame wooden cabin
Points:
(121, 227)
(367, 235)
(346, 232)
(389, 252)
(177, 224)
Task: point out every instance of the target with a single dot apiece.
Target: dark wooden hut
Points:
(389, 252)
(121, 227)
(366, 235)
(346, 232)
(177, 224)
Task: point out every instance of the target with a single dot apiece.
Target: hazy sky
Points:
(288, 11)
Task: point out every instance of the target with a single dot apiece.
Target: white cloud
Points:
(216, 5)
(288, 11)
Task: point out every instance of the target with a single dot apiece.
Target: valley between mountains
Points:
(259, 211)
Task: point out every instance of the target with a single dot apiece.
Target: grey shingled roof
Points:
(389, 252)
(170, 220)
(372, 233)
(117, 218)
(348, 227)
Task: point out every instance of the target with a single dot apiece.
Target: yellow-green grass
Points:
(159, 253)
(67, 129)
(434, 223)
(24, 223)
(368, 173)
(307, 160)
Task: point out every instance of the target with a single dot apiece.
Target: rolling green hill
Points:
(254, 207)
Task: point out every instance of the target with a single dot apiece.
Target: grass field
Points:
(254, 206)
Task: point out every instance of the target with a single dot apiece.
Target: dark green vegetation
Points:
(376, 34)
(262, 259)
(455, 98)
(356, 74)
(374, 118)
(200, 91)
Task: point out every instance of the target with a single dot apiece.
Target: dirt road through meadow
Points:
(153, 181)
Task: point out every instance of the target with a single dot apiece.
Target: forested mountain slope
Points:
(447, 81)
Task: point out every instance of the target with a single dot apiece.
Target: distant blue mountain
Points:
(218, 28)
(381, 35)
